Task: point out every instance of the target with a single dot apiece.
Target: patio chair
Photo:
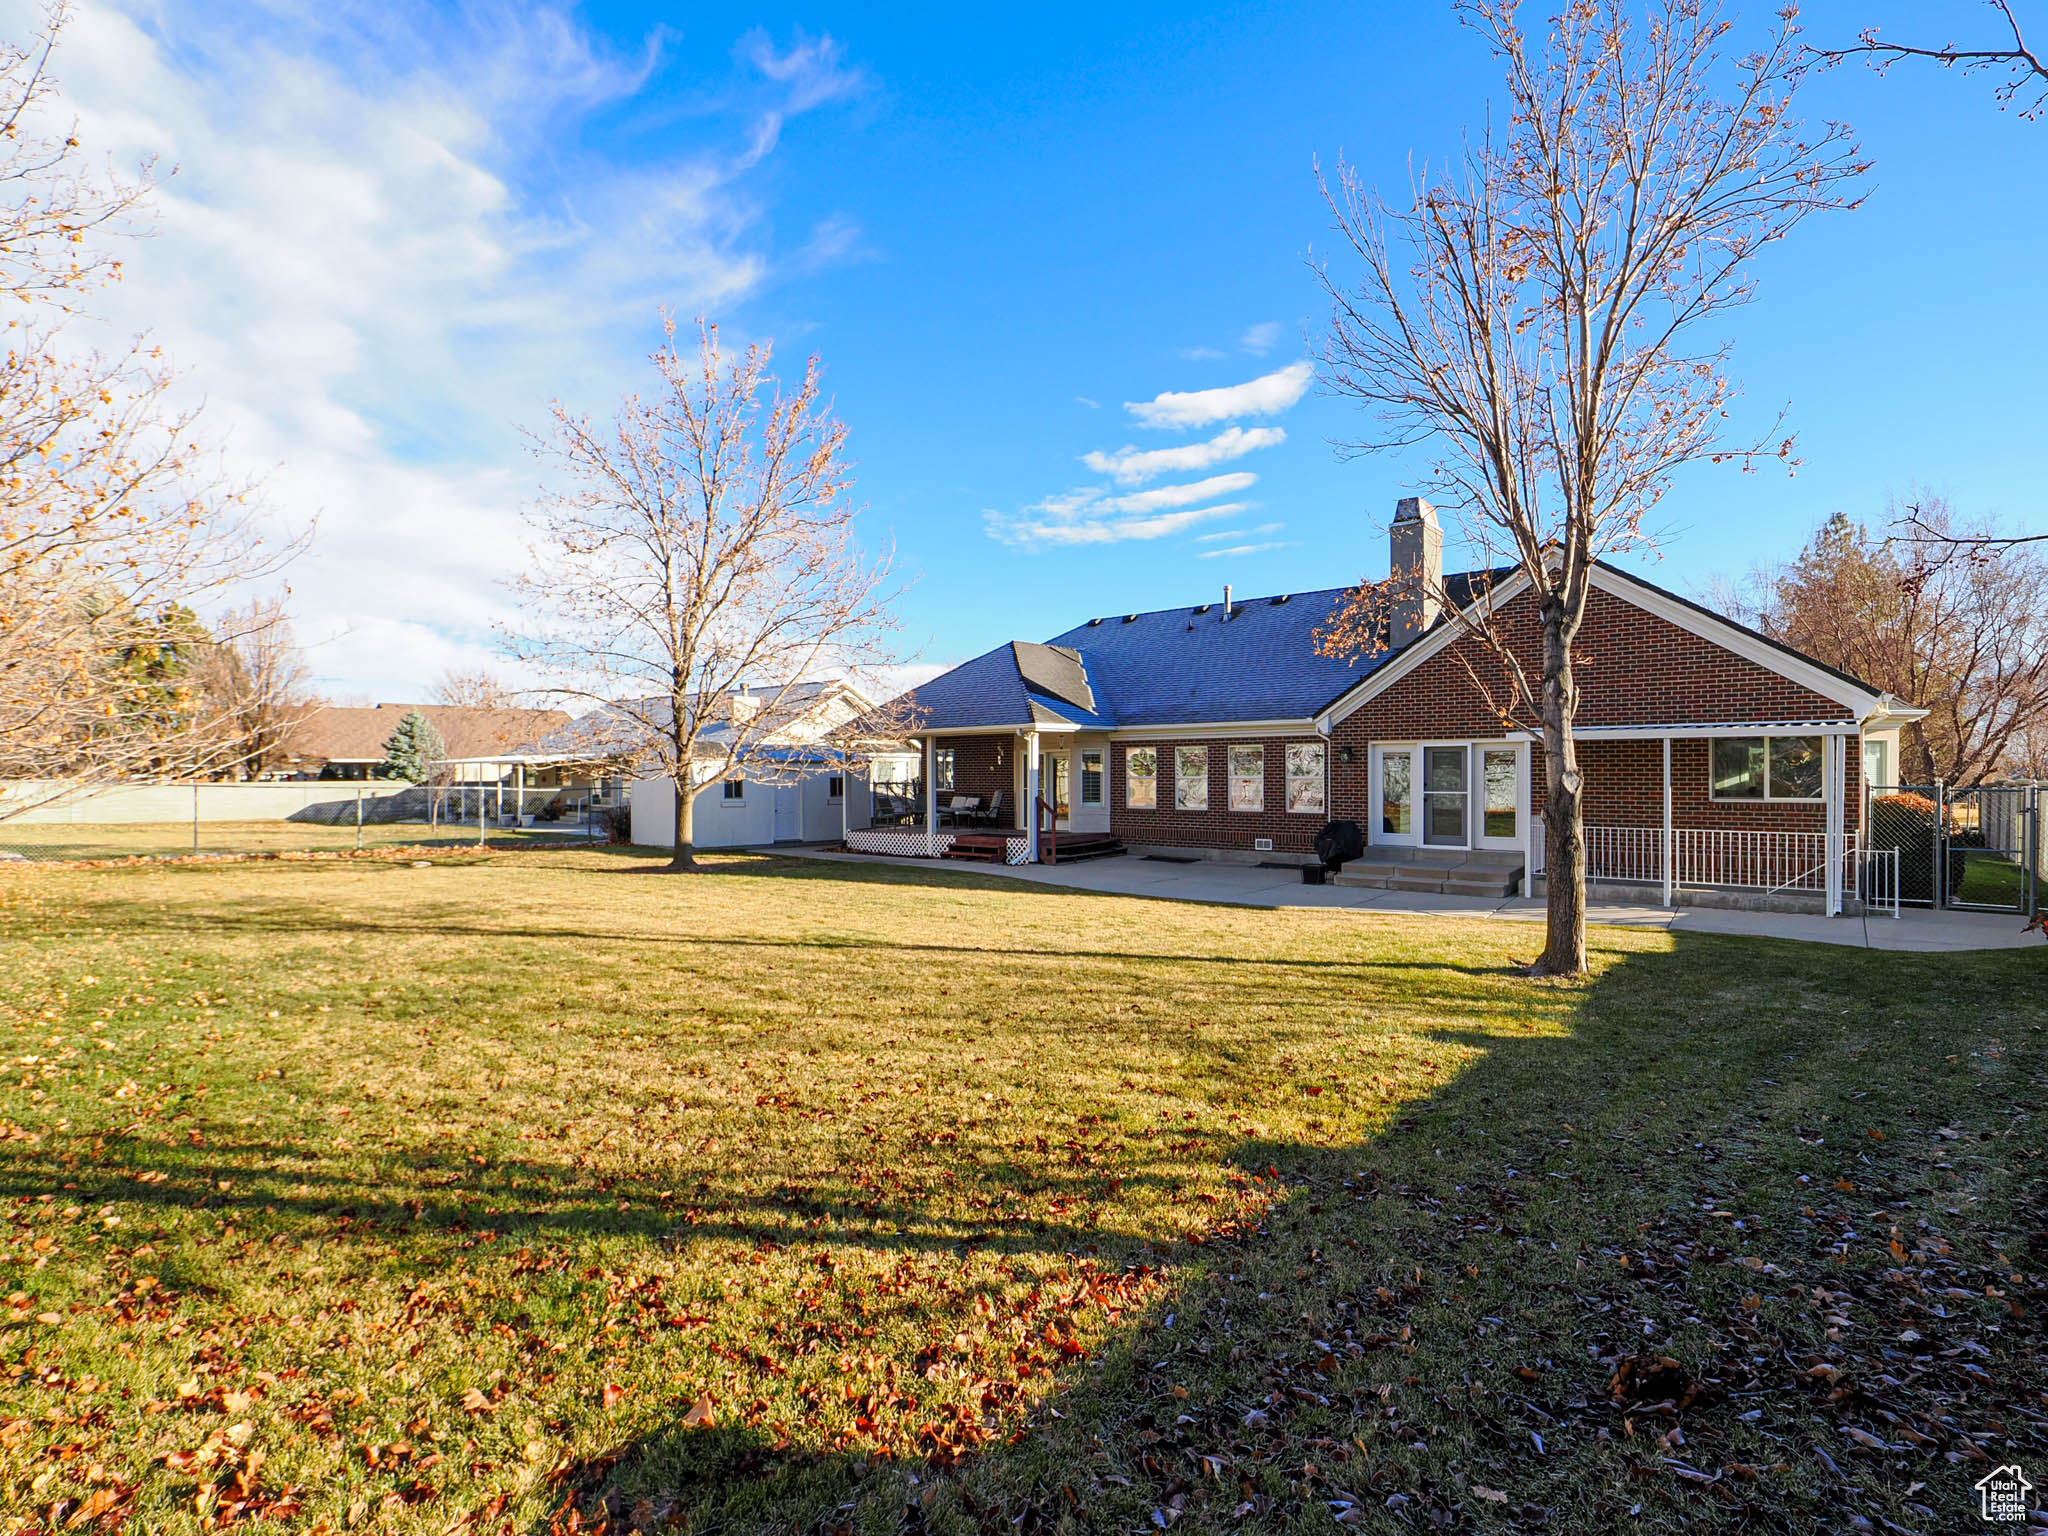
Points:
(991, 815)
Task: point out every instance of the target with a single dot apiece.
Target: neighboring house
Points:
(341, 742)
(1715, 759)
(792, 789)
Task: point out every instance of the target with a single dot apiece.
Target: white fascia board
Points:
(1371, 687)
(977, 730)
(1686, 730)
(1214, 728)
(1732, 637)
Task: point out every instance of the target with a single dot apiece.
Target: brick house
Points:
(1720, 766)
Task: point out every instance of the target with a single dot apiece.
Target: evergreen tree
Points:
(413, 751)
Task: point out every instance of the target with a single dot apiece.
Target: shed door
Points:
(789, 813)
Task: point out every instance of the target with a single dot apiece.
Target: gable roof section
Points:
(1830, 683)
(1192, 666)
(1168, 667)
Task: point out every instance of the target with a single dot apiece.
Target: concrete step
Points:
(1431, 882)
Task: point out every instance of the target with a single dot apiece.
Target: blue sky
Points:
(394, 233)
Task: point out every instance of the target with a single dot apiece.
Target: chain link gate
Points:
(1977, 849)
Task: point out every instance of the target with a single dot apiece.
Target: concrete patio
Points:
(1250, 886)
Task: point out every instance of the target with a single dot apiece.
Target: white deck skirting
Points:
(906, 843)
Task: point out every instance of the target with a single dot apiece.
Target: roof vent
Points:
(1130, 618)
(1093, 622)
(1203, 609)
(1191, 623)
(1277, 601)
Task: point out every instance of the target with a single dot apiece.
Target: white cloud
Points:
(1199, 354)
(1260, 339)
(1184, 495)
(1241, 549)
(1265, 396)
(1133, 466)
(383, 252)
(1083, 517)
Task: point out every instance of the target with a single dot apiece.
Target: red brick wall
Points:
(1632, 668)
(977, 769)
(1218, 826)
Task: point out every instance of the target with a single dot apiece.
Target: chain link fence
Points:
(1979, 848)
(46, 823)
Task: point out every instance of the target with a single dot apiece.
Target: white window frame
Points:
(1178, 777)
(1151, 778)
(1768, 798)
(1321, 776)
(1481, 838)
(729, 783)
(1232, 778)
(1081, 796)
(835, 786)
(1376, 808)
(944, 770)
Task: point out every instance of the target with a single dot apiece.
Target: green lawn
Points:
(60, 840)
(1990, 880)
(547, 1192)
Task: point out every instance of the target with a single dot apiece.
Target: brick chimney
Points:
(1416, 547)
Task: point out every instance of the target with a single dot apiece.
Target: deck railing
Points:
(1739, 860)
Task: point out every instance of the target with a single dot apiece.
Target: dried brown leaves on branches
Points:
(1925, 608)
(114, 524)
(1540, 318)
(700, 540)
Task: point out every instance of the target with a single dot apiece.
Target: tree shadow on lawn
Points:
(1659, 1273)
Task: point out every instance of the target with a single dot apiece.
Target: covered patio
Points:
(1000, 795)
(1760, 812)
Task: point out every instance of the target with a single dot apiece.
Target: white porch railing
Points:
(1756, 861)
(1738, 860)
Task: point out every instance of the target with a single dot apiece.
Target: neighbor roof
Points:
(1171, 666)
(337, 733)
(611, 733)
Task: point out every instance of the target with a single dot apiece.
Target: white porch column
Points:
(1838, 787)
(1670, 837)
(1031, 797)
(931, 785)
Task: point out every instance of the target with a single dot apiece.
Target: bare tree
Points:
(1540, 330)
(114, 528)
(700, 541)
(1923, 610)
(480, 688)
(2026, 73)
(255, 683)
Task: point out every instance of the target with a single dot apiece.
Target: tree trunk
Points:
(685, 855)
(1564, 833)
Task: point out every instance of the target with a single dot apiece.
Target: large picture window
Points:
(1141, 778)
(1191, 778)
(1767, 768)
(1305, 778)
(1247, 778)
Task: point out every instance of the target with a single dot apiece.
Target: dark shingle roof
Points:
(1173, 666)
